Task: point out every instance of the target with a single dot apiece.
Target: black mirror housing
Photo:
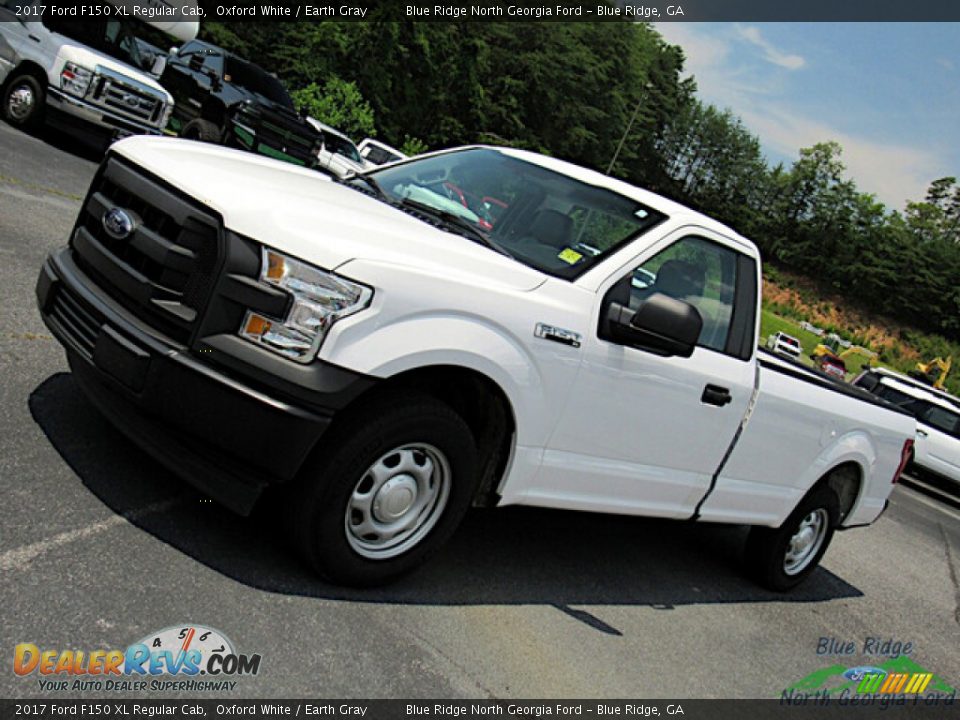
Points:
(662, 325)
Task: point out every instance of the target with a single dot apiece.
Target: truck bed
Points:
(823, 423)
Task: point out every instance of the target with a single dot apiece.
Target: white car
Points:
(378, 153)
(337, 155)
(386, 361)
(937, 449)
(84, 73)
(784, 344)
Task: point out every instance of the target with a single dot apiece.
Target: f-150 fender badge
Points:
(565, 337)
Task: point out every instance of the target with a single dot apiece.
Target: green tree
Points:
(340, 104)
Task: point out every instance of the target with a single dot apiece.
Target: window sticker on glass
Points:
(571, 256)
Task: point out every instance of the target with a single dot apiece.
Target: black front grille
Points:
(78, 321)
(163, 270)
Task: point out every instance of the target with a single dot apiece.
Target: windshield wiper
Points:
(370, 182)
(455, 222)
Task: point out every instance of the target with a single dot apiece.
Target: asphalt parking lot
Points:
(99, 547)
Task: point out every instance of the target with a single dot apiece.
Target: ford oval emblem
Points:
(117, 223)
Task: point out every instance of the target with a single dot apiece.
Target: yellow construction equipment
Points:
(934, 372)
(870, 355)
(830, 355)
(830, 347)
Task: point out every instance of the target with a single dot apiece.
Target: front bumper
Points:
(103, 119)
(212, 424)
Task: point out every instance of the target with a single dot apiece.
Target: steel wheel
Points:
(806, 541)
(781, 557)
(397, 501)
(384, 489)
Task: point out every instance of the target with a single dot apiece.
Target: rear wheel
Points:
(202, 130)
(781, 558)
(23, 101)
(385, 492)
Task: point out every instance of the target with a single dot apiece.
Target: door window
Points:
(941, 419)
(698, 272)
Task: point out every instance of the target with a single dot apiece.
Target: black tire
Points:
(202, 130)
(767, 548)
(24, 98)
(393, 429)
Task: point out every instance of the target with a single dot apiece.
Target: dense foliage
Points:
(570, 90)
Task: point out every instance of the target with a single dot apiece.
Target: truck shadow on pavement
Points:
(506, 556)
(68, 140)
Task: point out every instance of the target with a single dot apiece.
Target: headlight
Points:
(75, 79)
(320, 298)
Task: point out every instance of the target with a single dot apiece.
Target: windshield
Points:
(542, 218)
(342, 146)
(256, 80)
(116, 38)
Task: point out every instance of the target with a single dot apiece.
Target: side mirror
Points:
(662, 325)
(215, 83)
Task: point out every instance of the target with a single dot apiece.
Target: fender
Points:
(424, 340)
(770, 503)
(855, 447)
(419, 318)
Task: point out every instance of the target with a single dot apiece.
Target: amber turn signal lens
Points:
(275, 267)
(256, 325)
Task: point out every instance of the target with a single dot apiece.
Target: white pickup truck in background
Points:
(780, 342)
(85, 72)
(384, 355)
(337, 154)
(378, 153)
(937, 449)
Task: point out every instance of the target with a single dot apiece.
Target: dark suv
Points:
(221, 98)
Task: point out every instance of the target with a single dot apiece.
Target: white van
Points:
(82, 73)
(937, 448)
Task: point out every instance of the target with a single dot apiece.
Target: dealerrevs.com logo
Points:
(182, 657)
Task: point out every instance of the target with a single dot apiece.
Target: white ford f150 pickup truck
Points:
(385, 358)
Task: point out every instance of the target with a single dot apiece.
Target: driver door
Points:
(644, 434)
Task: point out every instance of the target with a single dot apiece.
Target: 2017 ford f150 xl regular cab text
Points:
(385, 354)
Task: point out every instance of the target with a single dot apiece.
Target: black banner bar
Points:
(487, 11)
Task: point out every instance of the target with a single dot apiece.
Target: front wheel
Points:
(385, 491)
(201, 130)
(23, 101)
(781, 558)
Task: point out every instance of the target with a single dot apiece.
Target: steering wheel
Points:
(455, 193)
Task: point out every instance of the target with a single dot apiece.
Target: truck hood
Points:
(307, 215)
(89, 58)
